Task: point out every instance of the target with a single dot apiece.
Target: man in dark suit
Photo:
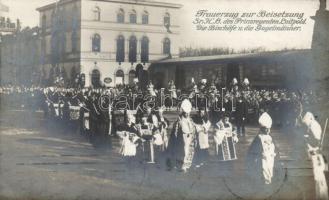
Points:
(241, 115)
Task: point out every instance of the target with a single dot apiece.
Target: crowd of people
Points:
(138, 117)
(236, 100)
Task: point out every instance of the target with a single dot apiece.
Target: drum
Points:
(74, 112)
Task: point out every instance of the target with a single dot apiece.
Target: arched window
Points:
(145, 17)
(62, 47)
(95, 78)
(62, 19)
(120, 49)
(97, 13)
(65, 16)
(132, 76)
(119, 77)
(44, 23)
(132, 49)
(96, 43)
(121, 16)
(74, 40)
(145, 49)
(166, 46)
(133, 17)
(54, 48)
(166, 20)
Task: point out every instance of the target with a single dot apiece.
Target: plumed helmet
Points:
(186, 106)
(265, 120)
(235, 81)
(246, 81)
(131, 118)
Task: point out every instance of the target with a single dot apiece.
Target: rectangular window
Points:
(145, 19)
(133, 19)
(120, 18)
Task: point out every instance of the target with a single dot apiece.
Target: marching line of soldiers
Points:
(96, 112)
(101, 110)
(239, 102)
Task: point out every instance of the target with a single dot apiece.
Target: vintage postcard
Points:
(164, 99)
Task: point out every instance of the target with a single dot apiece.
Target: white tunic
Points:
(268, 154)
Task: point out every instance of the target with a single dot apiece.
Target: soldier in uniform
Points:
(241, 116)
(172, 101)
(234, 86)
(245, 86)
(146, 131)
(66, 110)
(202, 124)
(94, 118)
(84, 116)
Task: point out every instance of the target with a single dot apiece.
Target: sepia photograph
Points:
(164, 99)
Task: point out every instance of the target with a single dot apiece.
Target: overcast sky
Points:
(25, 11)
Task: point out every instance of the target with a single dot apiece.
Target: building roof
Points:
(135, 2)
(146, 3)
(268, 54)
(3, 7)
(52, 5)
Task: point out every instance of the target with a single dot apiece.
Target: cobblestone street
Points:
(41, 163)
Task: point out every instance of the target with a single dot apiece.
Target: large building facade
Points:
(320, 48)
(106, 39)
(16, 43)
(20, 57)
(7, 25)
